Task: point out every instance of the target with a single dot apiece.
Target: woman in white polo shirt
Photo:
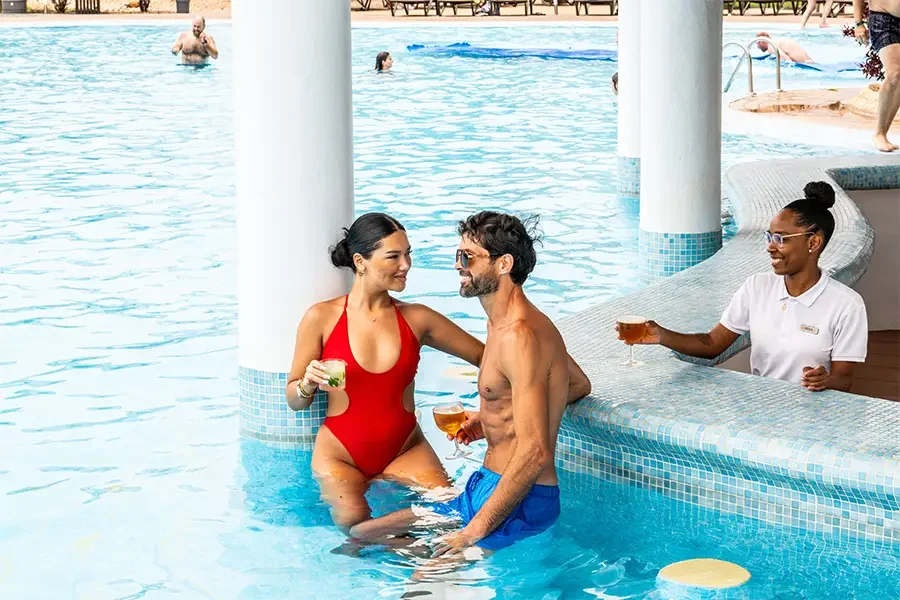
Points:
(804, 326)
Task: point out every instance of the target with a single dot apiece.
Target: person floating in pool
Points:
(790, 50)
(525, 382)
(370, 429)
(383, 62)
(883, 28)
(804, 326)
(196, 46)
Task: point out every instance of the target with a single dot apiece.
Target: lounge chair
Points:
(363, 4)
(612, 4)
(87, 7)
(442, 5)
(775, 5)
(414, 4)
(497, 4)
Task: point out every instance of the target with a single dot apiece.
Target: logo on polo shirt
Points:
(809, 329)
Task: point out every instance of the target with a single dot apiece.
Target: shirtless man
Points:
(196, 45)
(790, 50)
(525, 382)
(883, 28)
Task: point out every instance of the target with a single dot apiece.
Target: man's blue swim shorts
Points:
(535, 514)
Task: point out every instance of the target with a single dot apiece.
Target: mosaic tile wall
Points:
(628, 176)
(664, 254)
(768, 449)
(265, 415)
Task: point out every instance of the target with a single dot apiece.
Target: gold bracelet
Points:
(302, 393)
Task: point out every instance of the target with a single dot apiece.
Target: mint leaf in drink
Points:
(336, 381)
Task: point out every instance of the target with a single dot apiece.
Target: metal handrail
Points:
(744, 54)
(777, 62)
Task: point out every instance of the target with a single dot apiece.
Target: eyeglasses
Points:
(464, 257)
(779, 238)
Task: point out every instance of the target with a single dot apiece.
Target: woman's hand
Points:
(651, 334)
(471, 430)
(815, 380)
(315, 375)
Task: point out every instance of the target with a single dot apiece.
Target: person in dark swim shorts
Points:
(883, 30)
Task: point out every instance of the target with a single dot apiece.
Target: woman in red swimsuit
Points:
(370, 428)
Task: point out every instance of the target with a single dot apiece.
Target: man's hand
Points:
(454, 543)
(862, 35)
(204, 39)
(815, 380)
(471, 430)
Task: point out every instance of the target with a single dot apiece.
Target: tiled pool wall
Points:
(792, 489)
(265, 415)
(664, 254)
(628, 176)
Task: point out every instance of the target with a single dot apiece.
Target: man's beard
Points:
(480, 286)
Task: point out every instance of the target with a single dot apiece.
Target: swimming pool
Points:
(118, 361)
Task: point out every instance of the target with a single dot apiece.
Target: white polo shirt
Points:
(824, 324)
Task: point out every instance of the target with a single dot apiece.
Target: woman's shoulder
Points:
(845, 293)
(415, 311)
(325, 310)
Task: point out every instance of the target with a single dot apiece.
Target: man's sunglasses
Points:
(463, 257)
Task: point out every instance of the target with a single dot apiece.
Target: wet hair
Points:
(615, 81)
(379, 60)
(812, 212)
(501, 234)
(363, 238)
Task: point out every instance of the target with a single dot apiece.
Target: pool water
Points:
(123, 475)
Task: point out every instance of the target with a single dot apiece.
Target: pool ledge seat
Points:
(826, 461)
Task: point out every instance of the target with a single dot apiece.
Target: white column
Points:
(294, 174)
(681, 135)
(629, 101)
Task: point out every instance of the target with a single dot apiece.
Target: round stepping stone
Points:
(706, 578)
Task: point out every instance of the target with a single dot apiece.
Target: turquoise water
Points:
(122, 474)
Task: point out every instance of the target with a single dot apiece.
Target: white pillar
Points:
(294, 174)
(629, 101)
(681, 135)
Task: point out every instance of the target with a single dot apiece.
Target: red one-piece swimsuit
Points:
(375, 425)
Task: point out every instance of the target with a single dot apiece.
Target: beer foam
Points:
(448, 410)
(631, 320)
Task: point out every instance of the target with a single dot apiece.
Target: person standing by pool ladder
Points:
(883, 30)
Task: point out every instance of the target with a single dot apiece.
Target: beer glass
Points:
(336, 369)
(632, 329)
(449, 418)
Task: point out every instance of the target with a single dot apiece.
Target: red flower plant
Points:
(872, 67)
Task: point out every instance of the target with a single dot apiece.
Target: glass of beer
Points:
(450, 418)
(336, 369)
(632, 329)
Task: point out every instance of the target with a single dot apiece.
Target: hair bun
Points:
(340, 253)
(821, 192)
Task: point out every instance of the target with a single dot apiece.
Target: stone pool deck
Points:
(734, 442)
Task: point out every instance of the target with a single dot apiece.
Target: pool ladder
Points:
(745, 54)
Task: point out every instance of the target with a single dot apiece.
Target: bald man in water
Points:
(196, 45)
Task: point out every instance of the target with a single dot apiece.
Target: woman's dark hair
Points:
(615, 81)
(812, 211)
(379, 60)
(363, 237)
(501, 234)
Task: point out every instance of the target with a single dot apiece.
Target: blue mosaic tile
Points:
(674, 591)
(265, 415)
(664, 254)
(628, 176)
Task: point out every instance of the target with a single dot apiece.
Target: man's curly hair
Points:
(501, 234)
